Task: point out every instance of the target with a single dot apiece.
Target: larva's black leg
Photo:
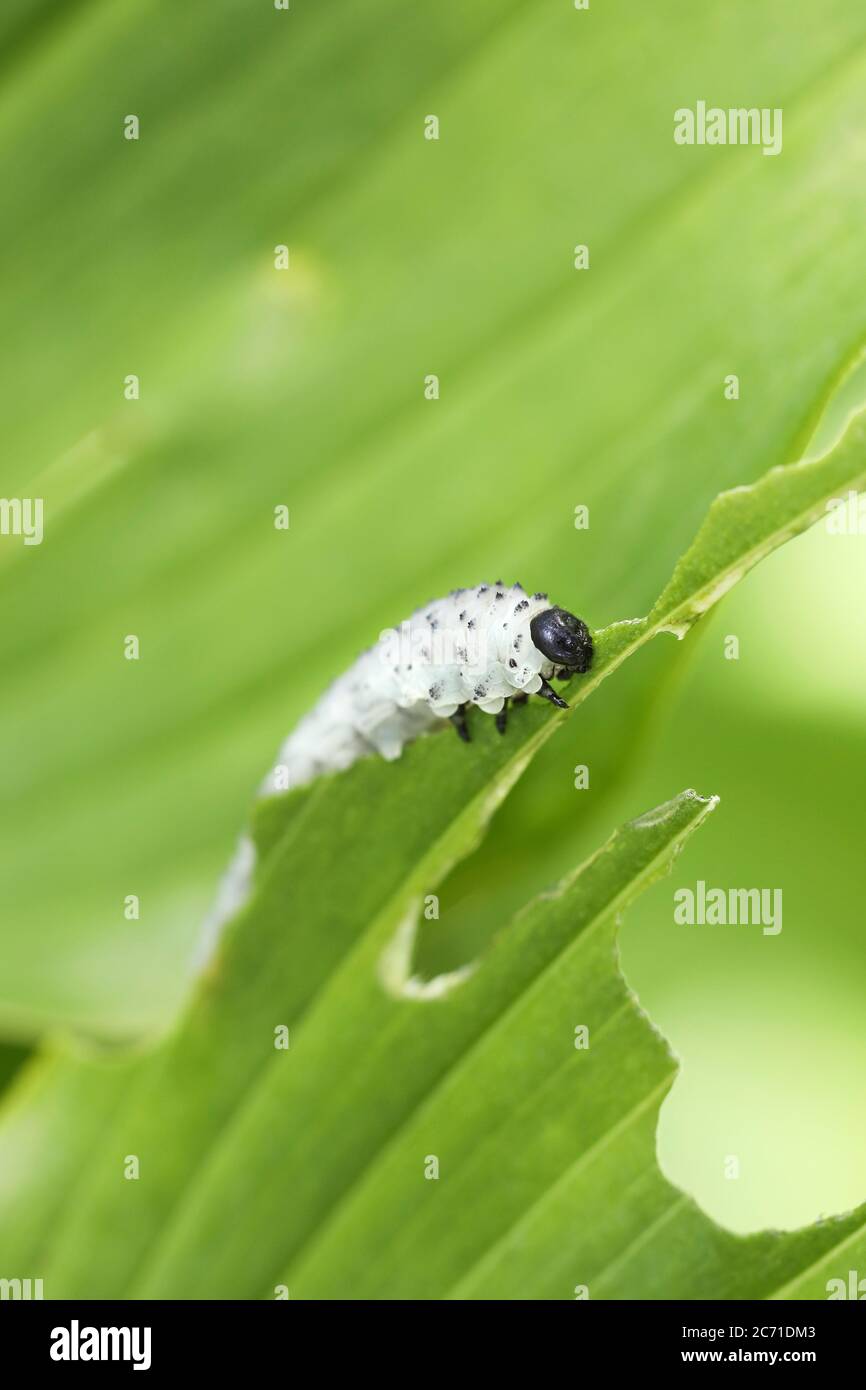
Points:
(565, 673)
(502, 718)
(548, 692)
(520, 699)
(458, 719)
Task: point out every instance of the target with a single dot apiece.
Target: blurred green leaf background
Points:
(558, 387)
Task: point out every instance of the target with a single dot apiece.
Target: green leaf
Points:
(480, 1071)
(558, 387)
(290, 1144)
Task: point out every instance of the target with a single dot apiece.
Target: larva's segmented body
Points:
(481, 646)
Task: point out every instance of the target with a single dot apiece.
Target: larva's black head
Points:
(562, 638)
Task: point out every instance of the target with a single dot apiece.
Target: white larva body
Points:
(473, 647)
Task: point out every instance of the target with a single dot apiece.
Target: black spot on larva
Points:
(434, 623)
(483, 589)
(434, 692)
(480, 692)
(537, 596)
(498, 581)
(462, 654)
(512, 663)
(462, 616)
(517, 641)
(425, 652)
(471, 622)
(522, 606)
(500, 593)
